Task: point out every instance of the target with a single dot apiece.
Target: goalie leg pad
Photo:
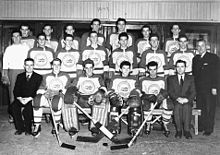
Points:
(134, 119)
(100, 113)
(70, 117)
(114, 112)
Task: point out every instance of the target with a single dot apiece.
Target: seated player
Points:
(89, 91)
(122, 85)
(52, 88)
(153, 84)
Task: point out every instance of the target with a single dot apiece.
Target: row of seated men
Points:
(32, 93)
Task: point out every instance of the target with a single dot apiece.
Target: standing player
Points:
(97, 53)
(123, 53)
(143, 44)
(26, 37)
(182, 54)
(69, 29)
(42, 56)
(69, 57)
(171, 44)
(112, 42)
(154, 54)
(51, 41)
(85, 41)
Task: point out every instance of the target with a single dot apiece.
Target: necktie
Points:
(28, 77)
(181, 81)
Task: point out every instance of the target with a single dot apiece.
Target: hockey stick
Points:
(97, 124)
(64, 145)
(98, 137)
(116, 147)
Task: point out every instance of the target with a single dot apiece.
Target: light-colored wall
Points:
(132, 10)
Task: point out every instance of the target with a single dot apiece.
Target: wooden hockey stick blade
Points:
(104, 130)
(95, 139)
(122, 141)
(64, 145)
(117, 147)
(68, 146)
(97, 124)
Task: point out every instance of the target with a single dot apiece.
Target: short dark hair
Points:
(145, 26)
(121, 19)
(68, 24)
(56, 59)
(41, 34)
(183, 36)
(95, 20)
(48, 25)
(25, 24)
(68, 35)
(28, 59)
(123, 34)
(15, 31)
(175, 24)
(125, 63)
(201, 40)
(152, 63)
(154, 35)
(88, 61)
(92, 32)
(180, 61)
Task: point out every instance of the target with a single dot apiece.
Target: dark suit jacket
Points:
(205, 71)
(187, 91)
(24, 88)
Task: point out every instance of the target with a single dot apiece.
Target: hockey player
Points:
(156, 85)
(171, 44)
(182, 54)
(85, 39)
(123, 53)
(122, 85)
(112, 42)
(96, 53)
(42, 56)
(27, 38)
(51, 41)
(154, 54)
(69, 57)
(143, 44)
(89, 91)
(69, 29)
(52, 88)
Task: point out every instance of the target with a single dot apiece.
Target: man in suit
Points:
(26, 86)
(181, 90)
(205, 70)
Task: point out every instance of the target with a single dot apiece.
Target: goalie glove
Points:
(115, 99)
